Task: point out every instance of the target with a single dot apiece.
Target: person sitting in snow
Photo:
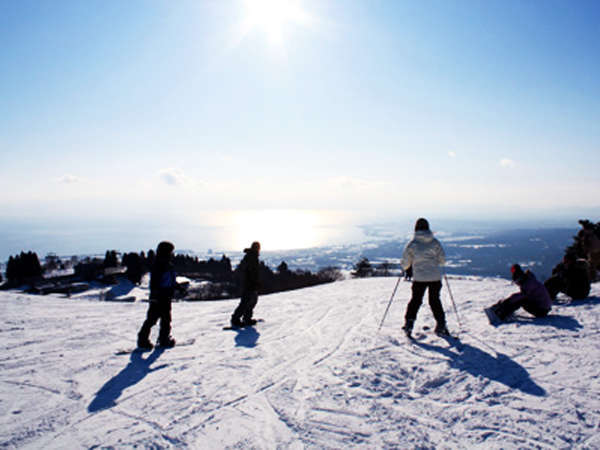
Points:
(162, 289)
(571, 277)
(533, 297)
(250, 268)
(424, 254)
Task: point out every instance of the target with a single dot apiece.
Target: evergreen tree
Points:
(363, 269)
(110, 259)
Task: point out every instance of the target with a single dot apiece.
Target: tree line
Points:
(220, 279)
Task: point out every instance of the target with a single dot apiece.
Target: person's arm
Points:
(441, 255)
(407, 257)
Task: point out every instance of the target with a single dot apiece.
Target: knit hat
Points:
(164, 250)
(422, 225)
(517, 272)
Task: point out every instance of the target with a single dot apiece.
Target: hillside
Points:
(315, 374)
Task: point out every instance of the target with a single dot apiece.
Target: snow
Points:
(315, 374)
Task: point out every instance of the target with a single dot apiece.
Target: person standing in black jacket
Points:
(162, 289)
(249, 268)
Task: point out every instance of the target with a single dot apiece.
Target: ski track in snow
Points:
(315, 374)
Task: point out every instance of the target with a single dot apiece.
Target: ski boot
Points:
(144, 344)
(408, 327)
(166, 343)
(442, 330)
(236, 323)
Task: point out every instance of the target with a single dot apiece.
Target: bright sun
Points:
(273, 17)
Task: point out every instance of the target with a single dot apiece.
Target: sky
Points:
(275, 119)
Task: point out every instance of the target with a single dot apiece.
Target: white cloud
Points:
(69, 179)
(507, 162)
(174, 177)
(452, 154)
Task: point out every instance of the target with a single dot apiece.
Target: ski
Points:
(231, 327)
(129, 351)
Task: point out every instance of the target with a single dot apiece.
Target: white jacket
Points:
(425, 254)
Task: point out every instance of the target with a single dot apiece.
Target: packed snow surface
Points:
(315, 374)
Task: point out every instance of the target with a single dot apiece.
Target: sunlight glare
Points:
(277, 229)
(272, 17)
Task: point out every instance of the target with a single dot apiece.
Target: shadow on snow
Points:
(246, 337)
(479, 363)
(132, 374)
(554, 320)
(586, 301)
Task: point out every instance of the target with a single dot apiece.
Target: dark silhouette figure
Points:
(250, 270)
(571, 276)
(132, 374)
(162, 290)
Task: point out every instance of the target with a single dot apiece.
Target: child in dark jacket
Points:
(162, 289)
(533, 298)
(250, 269)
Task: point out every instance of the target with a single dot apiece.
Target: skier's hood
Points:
(424, 236)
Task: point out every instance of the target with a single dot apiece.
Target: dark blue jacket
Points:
(162, 282)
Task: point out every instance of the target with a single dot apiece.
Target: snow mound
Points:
(315, 374)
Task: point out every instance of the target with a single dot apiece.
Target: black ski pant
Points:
(508, 306)
(245, 309)
(157, 310)
(418, 292)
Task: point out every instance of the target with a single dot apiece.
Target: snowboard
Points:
(230, 327)
(492, 317)
(128, 351)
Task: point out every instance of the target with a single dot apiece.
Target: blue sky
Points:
(183, 114)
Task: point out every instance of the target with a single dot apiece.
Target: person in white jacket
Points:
(425, 254)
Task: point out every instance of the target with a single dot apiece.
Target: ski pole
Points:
(389, 304)
(453, 304)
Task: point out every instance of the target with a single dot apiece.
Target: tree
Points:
(110, 259)
(135, 267)
(51, 262)
(363, 269)
(23, 267)
(331, 273)
(384, 269)
(282, 269)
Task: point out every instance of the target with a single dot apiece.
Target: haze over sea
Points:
(298, 123)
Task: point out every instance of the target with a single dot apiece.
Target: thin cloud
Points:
(507, 162)
(452, 154)
(176, 177)
(69, 179)
(173, 177)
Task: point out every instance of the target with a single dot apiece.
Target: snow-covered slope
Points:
(315, 374)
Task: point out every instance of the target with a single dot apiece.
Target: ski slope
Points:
(315, 374)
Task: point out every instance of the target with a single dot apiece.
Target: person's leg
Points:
(252, 300)
(418, 291)
(534, 309)
(508, 306)
(164, 336)
(151, 318)
(236, 318)
(435, 304)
